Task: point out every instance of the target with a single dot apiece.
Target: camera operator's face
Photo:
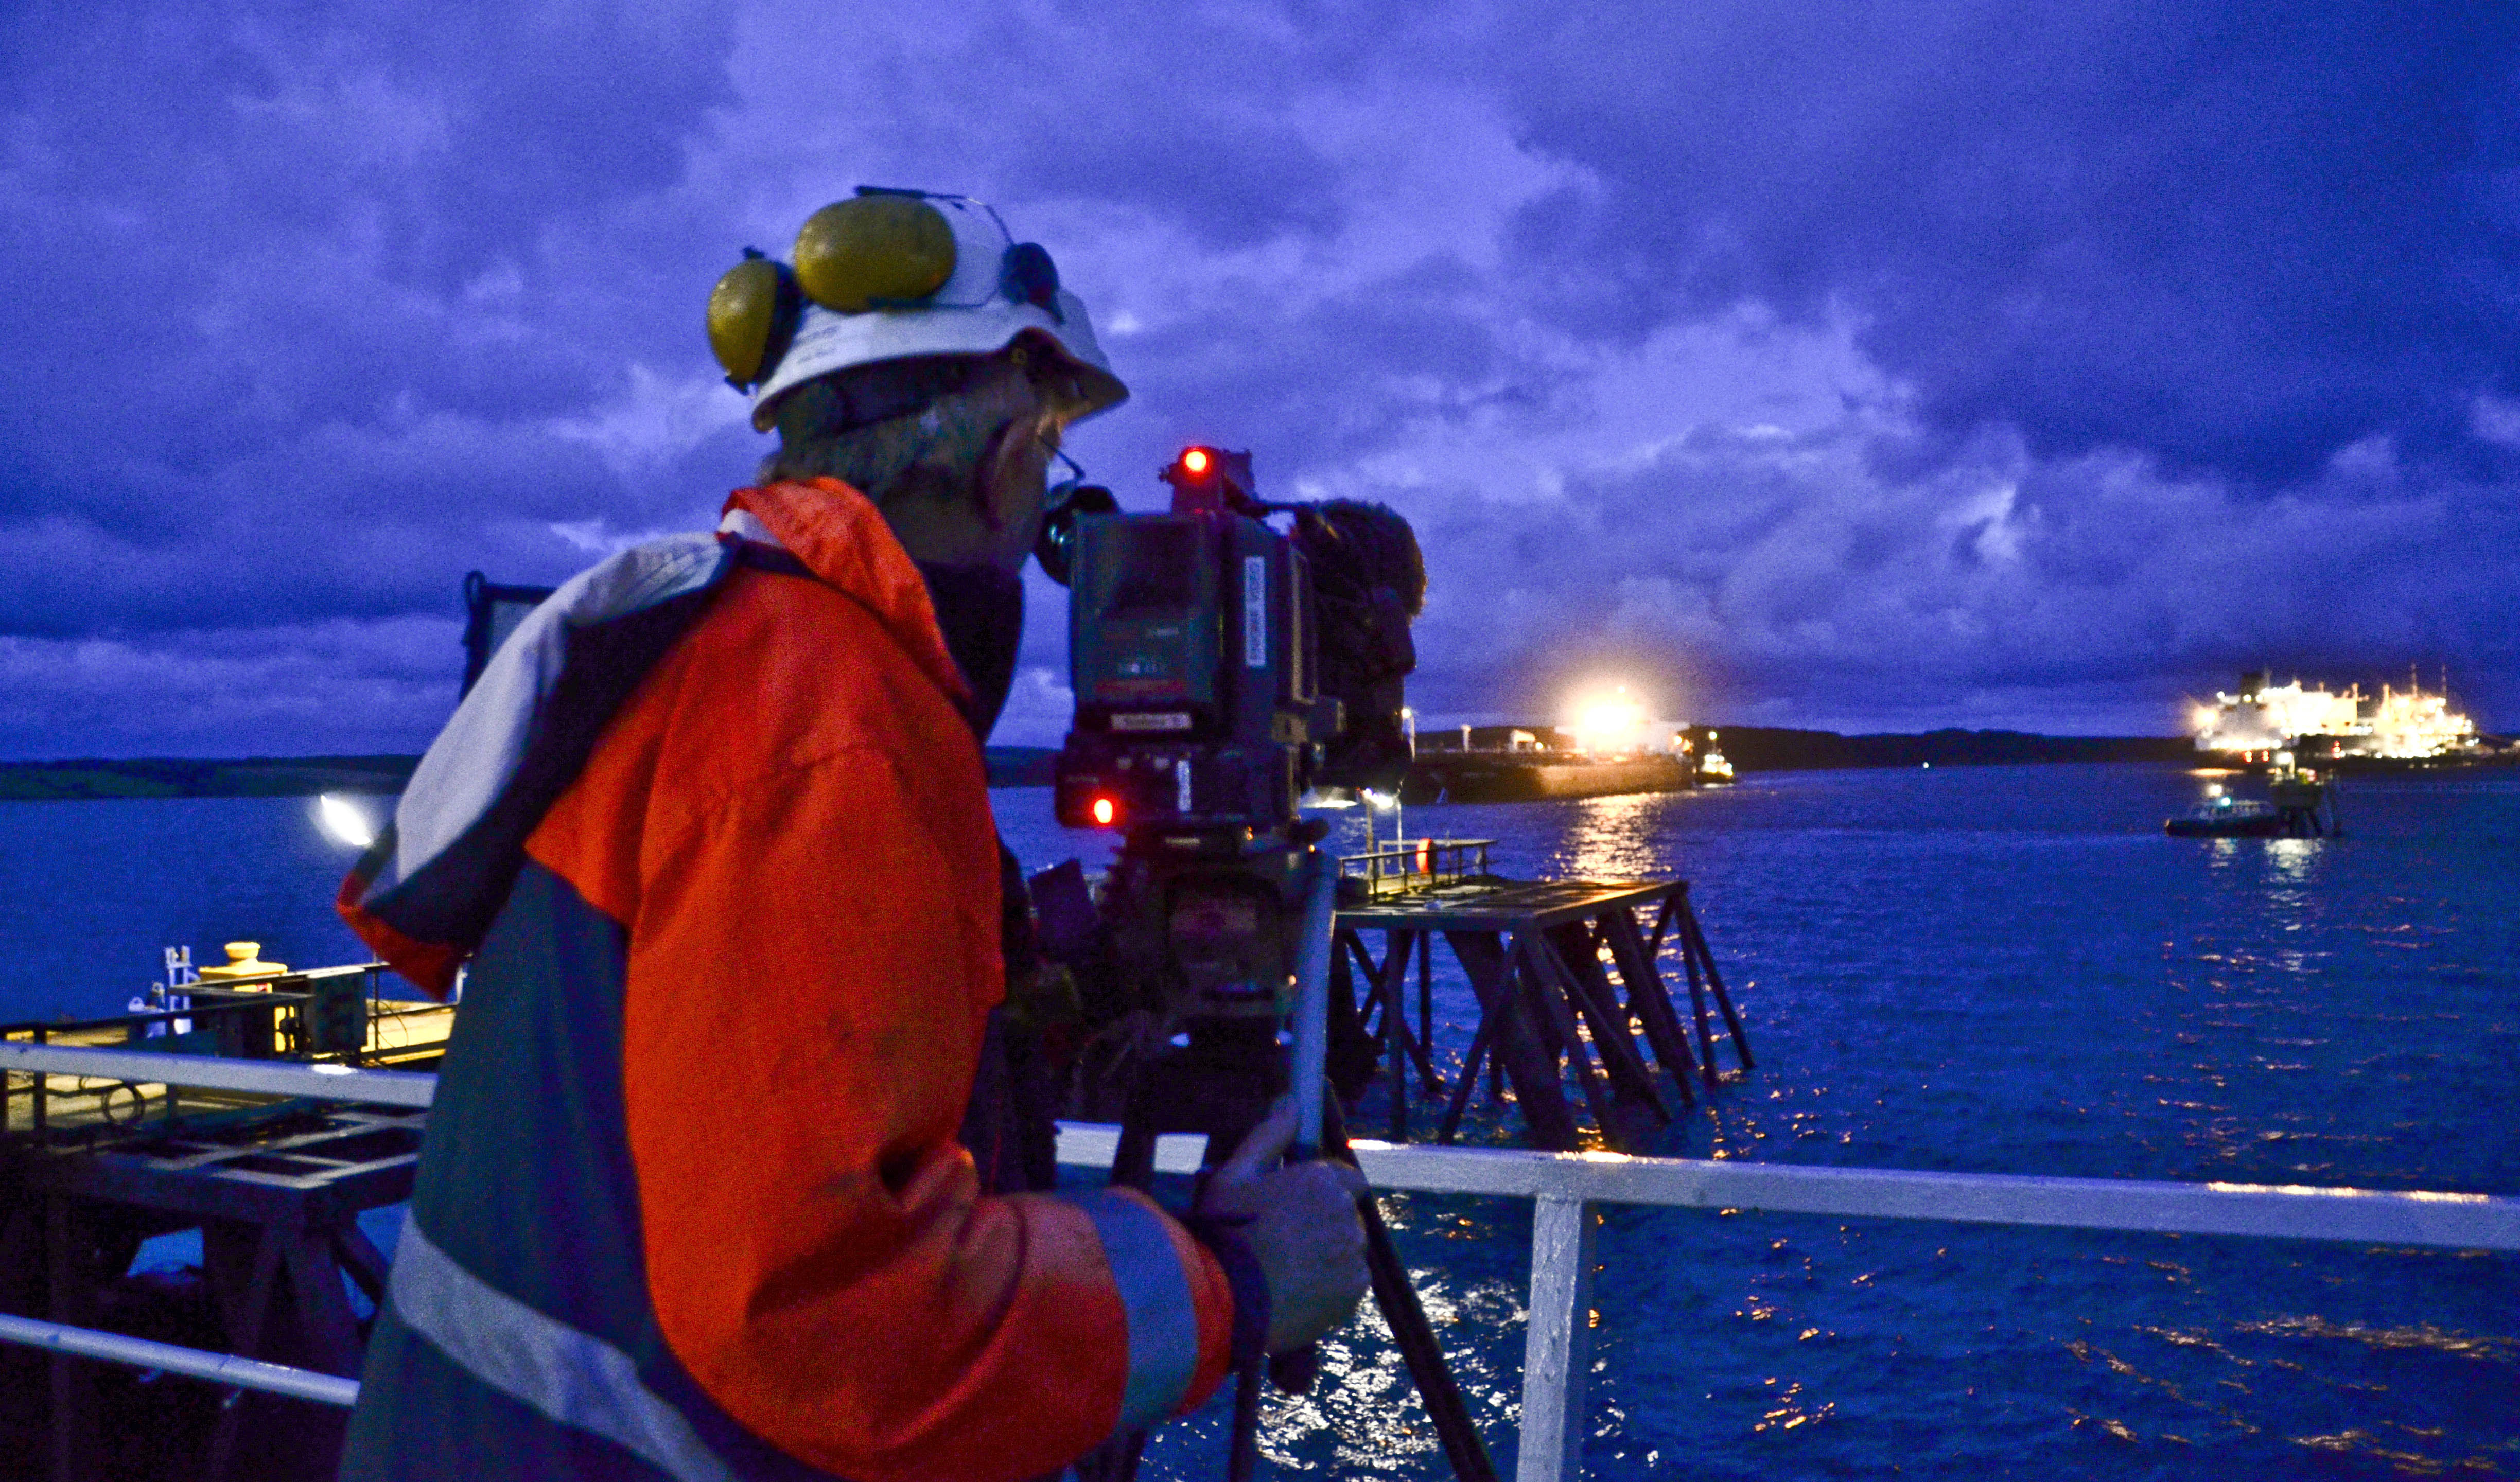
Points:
(985, 507)
(1015, 483)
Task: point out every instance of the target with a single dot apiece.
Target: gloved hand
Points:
(1302, 1229)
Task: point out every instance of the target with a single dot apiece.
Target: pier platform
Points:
(1548, 960)
(334, 1014)
(93, 1165)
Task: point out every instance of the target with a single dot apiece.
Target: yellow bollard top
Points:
(243, 963)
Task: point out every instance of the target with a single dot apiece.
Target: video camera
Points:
(1221, 669)
(1194, 658)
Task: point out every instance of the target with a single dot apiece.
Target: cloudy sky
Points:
(1867, 367)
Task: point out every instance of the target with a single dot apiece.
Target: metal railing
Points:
(282, 1078)
(1564, 1188)
(273, 1016)
(1424, 864)
(193, 1363)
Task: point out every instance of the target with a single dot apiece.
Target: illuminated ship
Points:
(1608, 747)
(2396, 727)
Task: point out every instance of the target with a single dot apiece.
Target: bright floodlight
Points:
(1610, 723)
(346, 822)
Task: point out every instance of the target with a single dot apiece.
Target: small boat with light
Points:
(1714, 769)
(2223, 816)
(2300, 805)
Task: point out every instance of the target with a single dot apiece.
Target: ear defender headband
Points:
(881, 249)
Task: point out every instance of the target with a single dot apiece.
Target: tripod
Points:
(1221, 1083)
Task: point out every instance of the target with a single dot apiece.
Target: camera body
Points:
(1194, 658)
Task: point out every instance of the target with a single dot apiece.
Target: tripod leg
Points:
(1114, 1461)
(1463, 1448)
(1244, 1460)
(1168, 1097)
(1401, 1308)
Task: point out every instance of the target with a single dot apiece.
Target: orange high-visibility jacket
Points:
(781, 847)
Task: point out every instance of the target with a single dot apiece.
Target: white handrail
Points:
(332, 1083)
(1557, 1354)
(198, 1363)
(2301, 1212)
(1557, 1357)
(2457, 1220)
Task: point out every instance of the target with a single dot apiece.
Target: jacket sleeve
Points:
(810, 968)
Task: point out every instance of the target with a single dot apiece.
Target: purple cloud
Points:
(2014, 366)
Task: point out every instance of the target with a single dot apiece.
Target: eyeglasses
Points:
(1068, 500)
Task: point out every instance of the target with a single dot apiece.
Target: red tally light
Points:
(1104, 809)
(1194, 462)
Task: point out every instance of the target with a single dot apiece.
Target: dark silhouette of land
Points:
(306, 775)
(1767, 749)
(1773, 749)
(181, 776)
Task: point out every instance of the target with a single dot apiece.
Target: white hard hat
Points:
(998, 291)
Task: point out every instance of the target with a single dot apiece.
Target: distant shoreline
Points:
(1751, 748)
(186, 777)
(1778, 748)
(107, 778)
(1770, 749)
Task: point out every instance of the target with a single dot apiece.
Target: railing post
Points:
(1557, 1348)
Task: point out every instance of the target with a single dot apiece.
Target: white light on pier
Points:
(344, 821)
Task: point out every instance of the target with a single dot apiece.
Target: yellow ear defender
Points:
(752, 316)
(882, 258)
(873, 250)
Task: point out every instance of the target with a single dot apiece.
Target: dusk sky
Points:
(1863, 367)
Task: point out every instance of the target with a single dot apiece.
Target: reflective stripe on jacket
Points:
(692, 1203)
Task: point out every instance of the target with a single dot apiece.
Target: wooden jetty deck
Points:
(1546, 961)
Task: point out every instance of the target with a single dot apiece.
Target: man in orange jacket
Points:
(712, 833)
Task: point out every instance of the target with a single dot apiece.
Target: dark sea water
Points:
(92, 892)
(2013, 971)
(1999, 970)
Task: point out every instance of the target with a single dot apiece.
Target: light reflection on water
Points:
(1613, 838)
